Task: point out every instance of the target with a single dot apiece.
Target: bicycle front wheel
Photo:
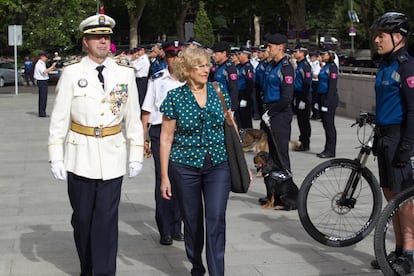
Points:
(384, 239)
(326, 216)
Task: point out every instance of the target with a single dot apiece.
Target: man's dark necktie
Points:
(100, 76)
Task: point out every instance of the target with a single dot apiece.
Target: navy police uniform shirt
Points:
(328, 85)
(303, 77)
(278, 85)
(226, 74)
(394, 90)
(245, 82)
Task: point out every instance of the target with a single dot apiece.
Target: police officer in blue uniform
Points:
(277, 97)
(259, 79)
(245, 84)
(328, 101)
(225, 72)
(159, 62)
(394, 132)
(303, 96)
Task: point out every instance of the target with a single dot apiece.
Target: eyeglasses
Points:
(201, 66)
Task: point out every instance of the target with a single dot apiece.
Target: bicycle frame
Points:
(347, 199)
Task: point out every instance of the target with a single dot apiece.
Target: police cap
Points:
(221, 47)
(194, 42)
(327, 48)
(172, 48)
(276, 39)
(245, 50)
(99, 24)
(300, 48)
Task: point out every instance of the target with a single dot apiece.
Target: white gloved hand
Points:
(58, 169)
(135, 168)
(266, 118)
(324, 109)
(316, 106)
(301, 105)
(243, 103)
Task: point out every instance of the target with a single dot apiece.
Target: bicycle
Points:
(340, 200)
(384, 240)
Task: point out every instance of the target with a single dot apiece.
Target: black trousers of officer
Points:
(42, 85)
(245, 113)
(198, 189)
(142, 84)
(387, 140)
(95, 205)
(167, 212)
(279, 137)
(328, 122)
(303, 109)
(315, 99)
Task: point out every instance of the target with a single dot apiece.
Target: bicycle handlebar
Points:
(364, 118)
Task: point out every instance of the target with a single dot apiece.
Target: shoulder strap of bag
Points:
(227, 113)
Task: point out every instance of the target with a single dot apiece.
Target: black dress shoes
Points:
(178, 236)
(166, 240)
(302, 147)
(263, 200)
(325, 155)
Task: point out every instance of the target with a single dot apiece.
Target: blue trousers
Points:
(209, 185)
(95, 222)
(167, 212)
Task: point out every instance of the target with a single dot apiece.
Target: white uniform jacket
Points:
(80, 98)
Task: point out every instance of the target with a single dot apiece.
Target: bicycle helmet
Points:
(392, 22)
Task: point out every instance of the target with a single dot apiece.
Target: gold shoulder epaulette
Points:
(123, 63)
(72, 61)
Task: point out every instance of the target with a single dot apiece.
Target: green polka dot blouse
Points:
(198, 130)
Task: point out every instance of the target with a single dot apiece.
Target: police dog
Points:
(254, 140)
(281, 191)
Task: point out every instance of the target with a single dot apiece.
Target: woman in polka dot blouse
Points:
(193, 159)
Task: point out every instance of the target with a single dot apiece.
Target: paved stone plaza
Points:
(36, 235)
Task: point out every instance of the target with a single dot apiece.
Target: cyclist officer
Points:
(394, 135)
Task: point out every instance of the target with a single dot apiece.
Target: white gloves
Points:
(243, 103)
(135, 168)
(58, 169)
(266, 118)
(316, 106)
(324, 109)
(301, 105)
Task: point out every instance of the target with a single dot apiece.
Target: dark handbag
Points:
(240, 174)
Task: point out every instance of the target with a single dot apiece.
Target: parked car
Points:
(54, 75)
(7, 73)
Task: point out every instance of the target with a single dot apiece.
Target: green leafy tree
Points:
(203, 29)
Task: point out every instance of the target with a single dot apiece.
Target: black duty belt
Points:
(385, 130)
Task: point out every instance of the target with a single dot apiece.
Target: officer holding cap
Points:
(87, 146)
(41, 74)
(167, 213)
(277, 97)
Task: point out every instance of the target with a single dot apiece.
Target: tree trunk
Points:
(134, 17)
(297, 15)
(256, 22)
(179, 23)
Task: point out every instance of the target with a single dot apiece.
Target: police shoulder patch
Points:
(157, 75)
(402, 58)
(72, 61)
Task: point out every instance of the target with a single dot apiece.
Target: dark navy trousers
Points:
(167, 212)
(95, 205)
(43, 87)
(203, 194)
